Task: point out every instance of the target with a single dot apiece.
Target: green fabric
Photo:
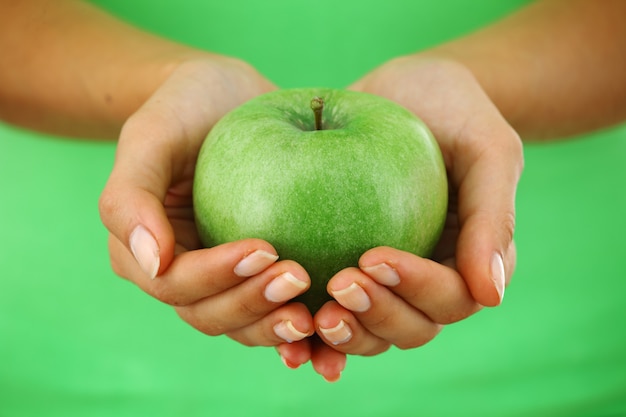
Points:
(77, 341)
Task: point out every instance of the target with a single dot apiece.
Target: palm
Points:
(178, 206)
(445, 250)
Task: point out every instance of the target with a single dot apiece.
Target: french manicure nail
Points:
(333, 378)
(498, 274)
(353, 298)
(337, 335)
(288, 364)
(286, 331)
(254, 263)
(284, 287)
(383, 274)
(145, 250)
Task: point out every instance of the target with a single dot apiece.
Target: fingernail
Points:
(337, 335)
(145, 250)
(284, 287)
(353, 298)
(254, 263)
(383, 274)
(333, 378)
(286, 331)
(289, 364)
(498, 274)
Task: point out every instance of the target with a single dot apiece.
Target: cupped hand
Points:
(238, 289)
(396, 298)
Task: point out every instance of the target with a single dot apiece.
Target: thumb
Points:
(485, 253)
(131, 205)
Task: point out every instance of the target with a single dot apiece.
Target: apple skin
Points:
(374, 176)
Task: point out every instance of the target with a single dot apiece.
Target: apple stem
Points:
(317, 105)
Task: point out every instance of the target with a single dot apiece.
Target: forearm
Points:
(555, 68)
(72, 69)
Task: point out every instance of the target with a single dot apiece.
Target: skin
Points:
(160, 98)
(565, 78)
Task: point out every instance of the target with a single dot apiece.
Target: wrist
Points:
(117, 91)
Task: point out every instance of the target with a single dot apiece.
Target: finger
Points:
(249, 301)
(295, 354)
(435, 289)
(341, 330)
(132, 203)
(289, 324)
(154, 165)
(195, 275)
(327, 362)
(487, 175)
(380, 311)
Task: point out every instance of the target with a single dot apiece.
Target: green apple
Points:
(323, 175)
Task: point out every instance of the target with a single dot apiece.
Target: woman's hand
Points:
(238, 288)
(484, 160)
(396, 298)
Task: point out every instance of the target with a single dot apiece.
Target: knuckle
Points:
(456, 315)
(211, 327)
(246, 309)
(508, 227)
(414, 341)
(108, 204)
(419, 338)
(377, 350)
(451, 318)
(166, 294)
(242, 340)
(379, 323)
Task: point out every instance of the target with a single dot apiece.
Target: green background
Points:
(77, 341)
